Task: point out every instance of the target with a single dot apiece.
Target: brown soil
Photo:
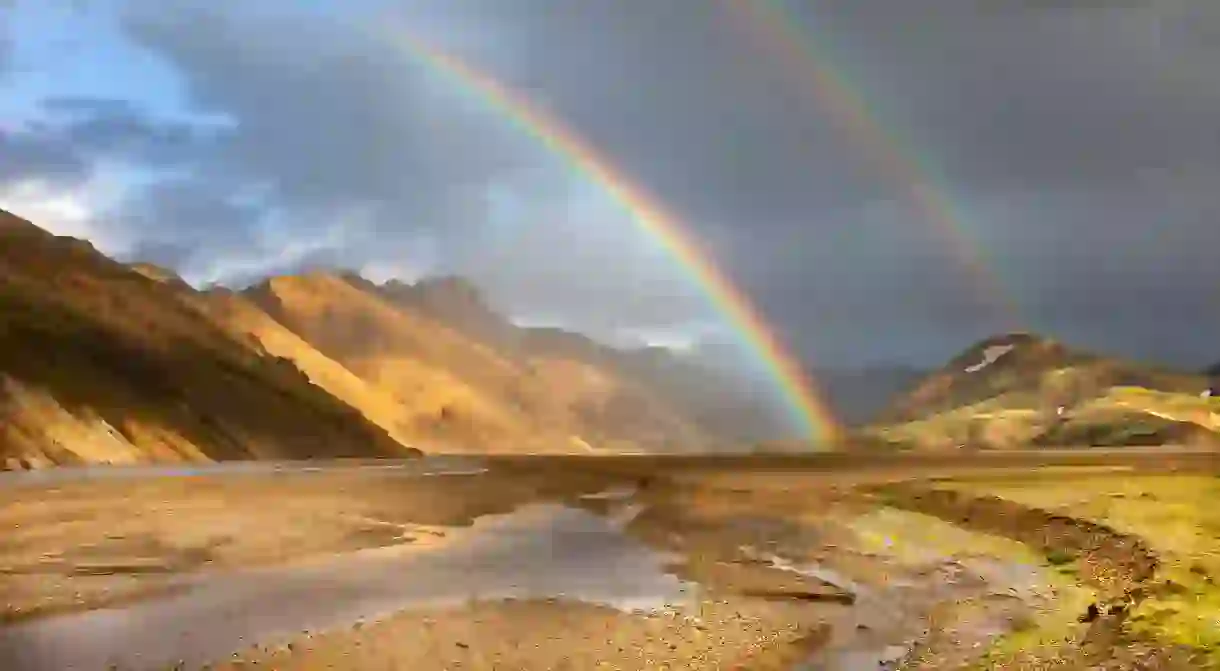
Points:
(558, 635)
(88, 544)
(722, 517)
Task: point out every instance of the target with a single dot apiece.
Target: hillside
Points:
(1021, 390)
(111, 363)
(724, 412)
(446, 372)
(101, 363)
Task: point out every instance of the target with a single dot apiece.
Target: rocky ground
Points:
(773, 568)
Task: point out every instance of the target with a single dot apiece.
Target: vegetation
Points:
(1177, 516)
(1038, 393)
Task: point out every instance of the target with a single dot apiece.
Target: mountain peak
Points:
(450, 293)
(451, 299)
(160, 274)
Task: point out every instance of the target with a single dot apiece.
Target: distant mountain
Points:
(1021, 390)
(857, 396)
(719, 405)
(459, 377)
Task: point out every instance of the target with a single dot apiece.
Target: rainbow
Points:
(773, 26)
(800, 396)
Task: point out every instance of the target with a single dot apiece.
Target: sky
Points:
(887, 182)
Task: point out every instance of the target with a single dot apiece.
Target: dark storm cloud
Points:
(678, 102)
(995, 95)
(1047, 98)
(1067, 142)
(1076, 146)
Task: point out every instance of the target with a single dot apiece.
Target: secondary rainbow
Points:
(773, 26)
(798, 391)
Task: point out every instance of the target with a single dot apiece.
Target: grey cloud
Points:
(587, 272)
(344, 120)
(108, 127)
(40, 155)
(181, 215)
(1075, 145)
(1045, 98)
(353, 123)
(1000, 109)
(1009, 95)
(211, 234)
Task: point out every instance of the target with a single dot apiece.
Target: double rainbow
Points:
(801, 397)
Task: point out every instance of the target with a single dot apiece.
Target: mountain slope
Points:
(462, 378)
(720, 410)
(99, 362)
(243, 317)
(1020, 390)
(106, 362)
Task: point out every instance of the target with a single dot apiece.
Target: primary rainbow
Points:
(800, 395)
(774, 26)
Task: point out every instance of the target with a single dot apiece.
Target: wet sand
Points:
(538, 551)
(517, 563)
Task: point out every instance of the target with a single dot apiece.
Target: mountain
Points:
(1021, 390)
(460, 377)
(105, 362)
(723, 408)
(100, 362)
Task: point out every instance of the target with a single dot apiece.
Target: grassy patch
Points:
(1177, 515)
(1057, 557)
(1052, 630)
(914, 536)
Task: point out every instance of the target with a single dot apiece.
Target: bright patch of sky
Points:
(77, 211)
(76, 49)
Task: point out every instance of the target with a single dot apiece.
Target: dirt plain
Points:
(617, 563)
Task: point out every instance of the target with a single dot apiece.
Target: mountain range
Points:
(106, 362)
(102, 361)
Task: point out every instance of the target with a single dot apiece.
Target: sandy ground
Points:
(74, 545)
(782, 567)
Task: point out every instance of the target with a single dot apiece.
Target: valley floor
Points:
(997, 561)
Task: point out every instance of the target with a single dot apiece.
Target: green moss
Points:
(1058, 557)
(1177, 516)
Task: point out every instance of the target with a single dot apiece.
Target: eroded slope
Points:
(101, 363)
